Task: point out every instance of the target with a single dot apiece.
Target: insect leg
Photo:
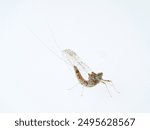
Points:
(115, 89)
(107, 88)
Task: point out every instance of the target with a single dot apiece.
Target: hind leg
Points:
(109, 81)
(107, 88)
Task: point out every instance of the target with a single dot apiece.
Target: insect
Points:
(93, 78)
(77, 64)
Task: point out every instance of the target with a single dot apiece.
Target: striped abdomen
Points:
(79, 77)
(93, 78)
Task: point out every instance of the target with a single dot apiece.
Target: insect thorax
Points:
(94, 79)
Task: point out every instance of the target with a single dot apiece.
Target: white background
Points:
(110, 36)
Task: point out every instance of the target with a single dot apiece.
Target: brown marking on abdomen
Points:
(79, 76)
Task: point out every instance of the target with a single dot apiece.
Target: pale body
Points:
(93, 78)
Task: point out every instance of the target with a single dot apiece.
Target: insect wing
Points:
(73, 59)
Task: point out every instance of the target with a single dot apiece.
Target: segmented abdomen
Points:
(79, 77)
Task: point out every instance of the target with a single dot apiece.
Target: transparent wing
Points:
(73, 59)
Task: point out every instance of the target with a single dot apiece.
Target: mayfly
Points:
(93, 78)
(77, 64)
